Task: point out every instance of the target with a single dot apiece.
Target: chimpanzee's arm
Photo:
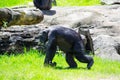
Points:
(80, 54)
(51, 49)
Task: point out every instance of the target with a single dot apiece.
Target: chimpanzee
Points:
(43, 4)
(69, 41)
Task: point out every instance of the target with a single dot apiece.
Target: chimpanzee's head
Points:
(44, 36)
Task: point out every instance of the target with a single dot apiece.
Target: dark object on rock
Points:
(117, 47)
(20, 16)
(43, 4)
(110, 2)
(88, 42)
(69, 42)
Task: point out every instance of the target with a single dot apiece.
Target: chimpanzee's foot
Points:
(72, 67)
(89, 65)
(53, 64)
(50, 64)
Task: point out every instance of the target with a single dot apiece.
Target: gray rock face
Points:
(94, 16)
(110, 1)
(103, 22)
(105, 45)
(15, 39)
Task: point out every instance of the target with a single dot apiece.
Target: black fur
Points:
(69, 41)
(43, 4)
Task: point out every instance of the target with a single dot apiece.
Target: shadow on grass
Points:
(65, 68)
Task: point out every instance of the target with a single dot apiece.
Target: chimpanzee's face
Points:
(43, 37)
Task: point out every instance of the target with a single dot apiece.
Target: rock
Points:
(110, 2)
(104, 46)
(15, 39)
(91, 16)
(21, 16)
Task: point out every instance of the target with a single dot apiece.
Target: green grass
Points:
(77, 2)
(9, 3)
(29, 66)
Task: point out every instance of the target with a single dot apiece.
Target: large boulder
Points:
(91, 16)
(20, 16)
(104, 47)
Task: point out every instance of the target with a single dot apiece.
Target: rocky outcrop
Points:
(103, 22)
(91, 16)
(15, 39)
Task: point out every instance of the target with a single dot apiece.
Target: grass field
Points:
(9, 3)
(29, 66)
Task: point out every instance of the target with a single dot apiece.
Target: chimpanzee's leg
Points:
(80, 55)
(51, 49)
(85, 59)
(70, 60)
(49, 5)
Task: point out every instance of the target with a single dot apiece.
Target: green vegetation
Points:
(77, 2)
(29, 66)
(7, 3)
